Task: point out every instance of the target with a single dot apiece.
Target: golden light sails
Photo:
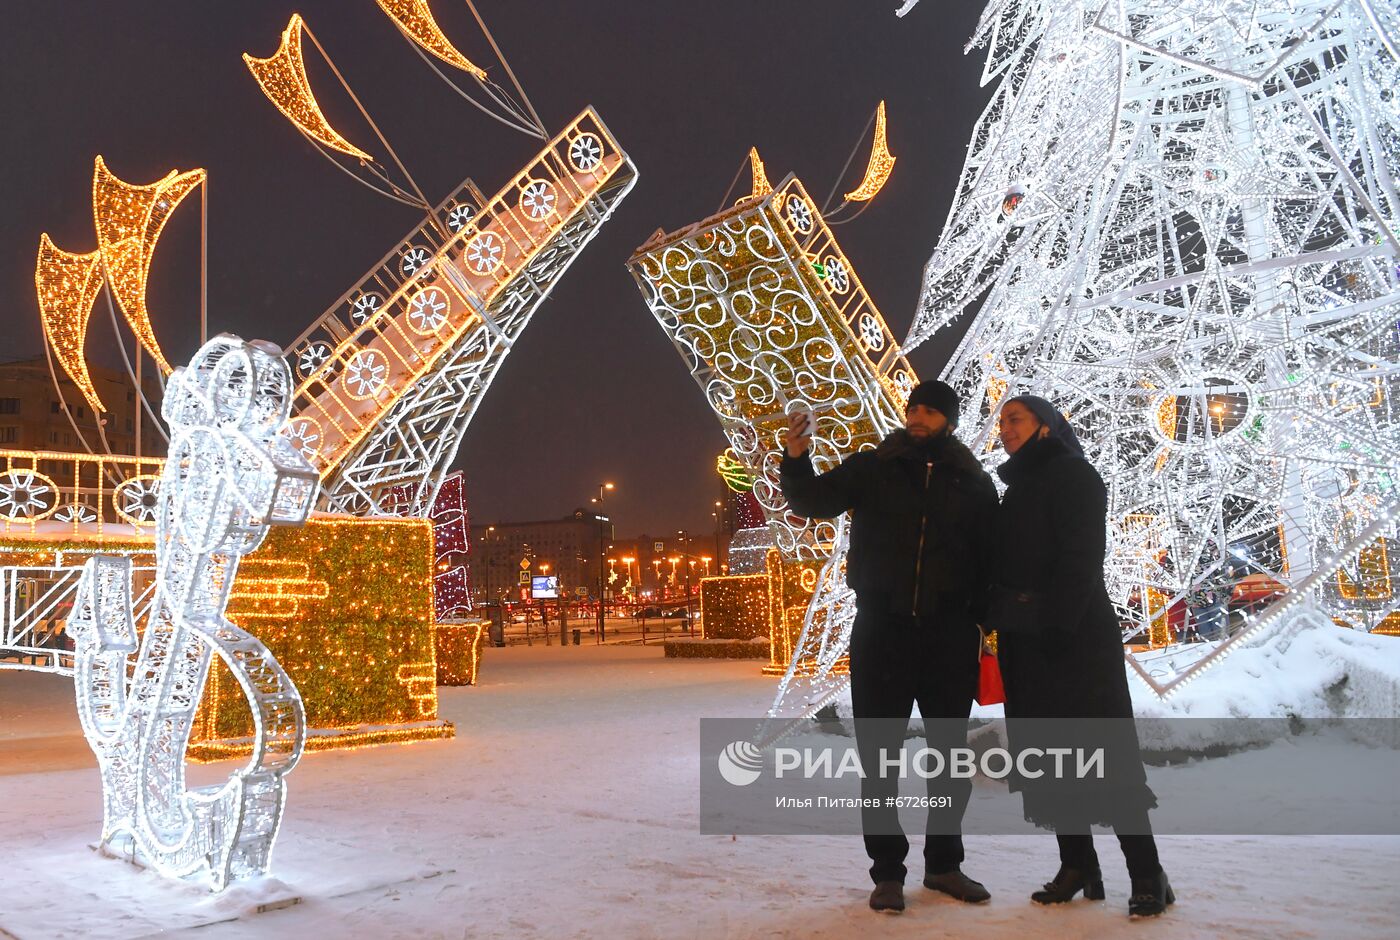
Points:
(67, 285)
(881, 163)
(129, 221)
(282, 77)
(761, 186)
(416, 20)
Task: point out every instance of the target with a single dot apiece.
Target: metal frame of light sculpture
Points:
(231, 474)
(392, 373)
(1184, 221)
(748, 299)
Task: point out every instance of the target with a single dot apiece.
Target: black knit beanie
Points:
(936, 394)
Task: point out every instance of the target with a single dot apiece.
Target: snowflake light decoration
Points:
(26, 496)
(365, 373)
(484, 253)
(586, 152)
(311, 357)
(414, 261)
(537, 199)
(428, 309)
(363, 307)
(136, 499)
(460, 216)
(837, 278)
(305, 435)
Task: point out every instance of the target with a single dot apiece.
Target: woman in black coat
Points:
(1061, 655)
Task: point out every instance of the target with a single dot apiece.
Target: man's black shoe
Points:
(1150, 896)
(958, 885)
(888, 897)
(1067, 883)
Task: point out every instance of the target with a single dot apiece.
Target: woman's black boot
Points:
(1070, 881)
(1151, 895)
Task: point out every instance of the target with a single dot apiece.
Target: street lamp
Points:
(602, 488)
(627, 564)
(719, 527)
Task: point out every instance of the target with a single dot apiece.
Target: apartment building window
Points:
(128, 425)
(53, 407)
(9, 406)
(9, 435)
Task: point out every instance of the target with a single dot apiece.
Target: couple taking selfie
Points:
(934, 558)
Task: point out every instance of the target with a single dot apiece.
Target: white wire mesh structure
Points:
(1181, 218)
(768, 314)
(231, 473)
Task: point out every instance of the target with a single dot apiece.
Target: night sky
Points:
(593, 391)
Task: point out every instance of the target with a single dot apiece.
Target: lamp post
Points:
(689, 567)
(627, 564)
(719, 528)
(602, 628)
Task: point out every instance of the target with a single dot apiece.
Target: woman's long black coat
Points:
(1051, 541)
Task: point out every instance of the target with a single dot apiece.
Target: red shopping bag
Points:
(989, 687)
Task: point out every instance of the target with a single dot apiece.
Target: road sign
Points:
(522, 577)
(524, 564)
(658, 547)
(581, 590)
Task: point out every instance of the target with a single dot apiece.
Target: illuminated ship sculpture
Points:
(107, 551)
(388, 377)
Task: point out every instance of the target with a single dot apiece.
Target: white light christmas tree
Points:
(1181, 218)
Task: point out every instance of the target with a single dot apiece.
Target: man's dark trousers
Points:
(897, 660)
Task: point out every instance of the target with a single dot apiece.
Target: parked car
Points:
(649, 612)
(674, 612)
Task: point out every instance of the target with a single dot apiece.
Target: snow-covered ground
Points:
(567, 806)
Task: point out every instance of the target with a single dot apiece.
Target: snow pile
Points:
(1309, 672)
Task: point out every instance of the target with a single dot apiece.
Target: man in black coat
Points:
(922, 510)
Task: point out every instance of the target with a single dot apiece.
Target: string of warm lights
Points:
(129, 220)
(877, 171)
(734, 607)
(417, 21)
(759, 186)
(67, 286)
(282, 77)
(362, 635)
(459, 652)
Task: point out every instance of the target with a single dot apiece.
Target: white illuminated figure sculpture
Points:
(231, 473)
(1180, 218)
